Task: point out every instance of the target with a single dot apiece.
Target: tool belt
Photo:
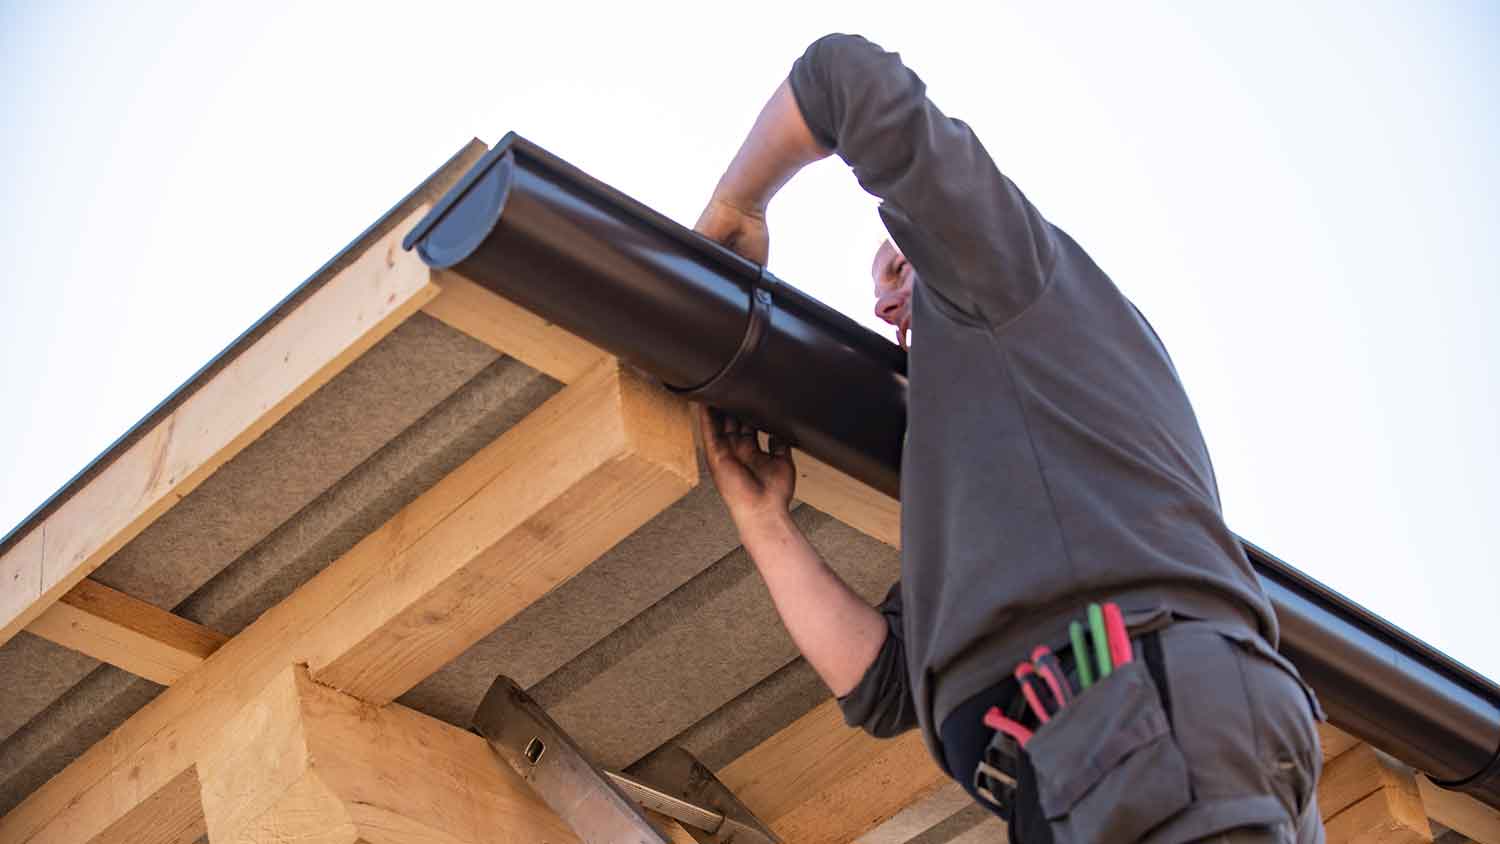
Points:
(1110, 768)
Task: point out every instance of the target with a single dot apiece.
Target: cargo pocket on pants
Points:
(1107, 767)
(1285, 722)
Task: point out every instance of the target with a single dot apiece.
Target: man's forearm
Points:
(836, 630)
(779, 145)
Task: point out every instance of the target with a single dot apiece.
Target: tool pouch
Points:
(1107, 768)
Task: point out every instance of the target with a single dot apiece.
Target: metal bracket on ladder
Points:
(689, 783)
(600, 805)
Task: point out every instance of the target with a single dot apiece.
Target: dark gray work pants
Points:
(1246, 725)
(1226, 751)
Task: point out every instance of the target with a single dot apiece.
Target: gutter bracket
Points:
(759, 322)
(684, 779)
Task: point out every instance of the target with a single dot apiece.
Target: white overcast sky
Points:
(1303, 198)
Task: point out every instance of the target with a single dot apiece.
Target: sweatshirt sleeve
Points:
(882, 704)
(968, 231)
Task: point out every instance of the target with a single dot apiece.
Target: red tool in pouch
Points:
(1031, 688)
(1119, 638)
(996, 721)
(1050, 670)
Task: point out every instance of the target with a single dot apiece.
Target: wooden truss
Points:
(287, 731)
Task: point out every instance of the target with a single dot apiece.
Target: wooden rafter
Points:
(511, 329)
(127, 633)
(573, 478)
(936, 806)
(820, 781)
(857, 505)
(1460, 812)
(1334, 742)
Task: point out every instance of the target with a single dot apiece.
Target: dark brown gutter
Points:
(716, 327)
(710, 324)
(1384, 685)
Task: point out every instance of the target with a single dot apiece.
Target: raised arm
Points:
(966, 228)
(779, 145)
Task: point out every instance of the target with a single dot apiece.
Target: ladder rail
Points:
(599, 805)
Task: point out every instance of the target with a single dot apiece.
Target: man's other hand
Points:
(743, 230)
(755, 484)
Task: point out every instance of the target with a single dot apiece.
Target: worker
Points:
(1052, 461)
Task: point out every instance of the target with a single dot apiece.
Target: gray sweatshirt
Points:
(1052, 457)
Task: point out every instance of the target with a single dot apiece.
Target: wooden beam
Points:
(1460, 812)
(852, 502)
(940, 803)
(819, 781)
(618, 426)
(569, 481)
(127, 633)
(1454, 810)
(347, 315)
(173, 814)
(302, 762)
(511, 329)
(1366, 796)
(21, 580)
(670, 829)
(1335, 742)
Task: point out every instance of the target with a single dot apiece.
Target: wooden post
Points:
(1367, 797)
(1455, 810)
(304, 763)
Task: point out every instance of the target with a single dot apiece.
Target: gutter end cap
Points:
(468, 212)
